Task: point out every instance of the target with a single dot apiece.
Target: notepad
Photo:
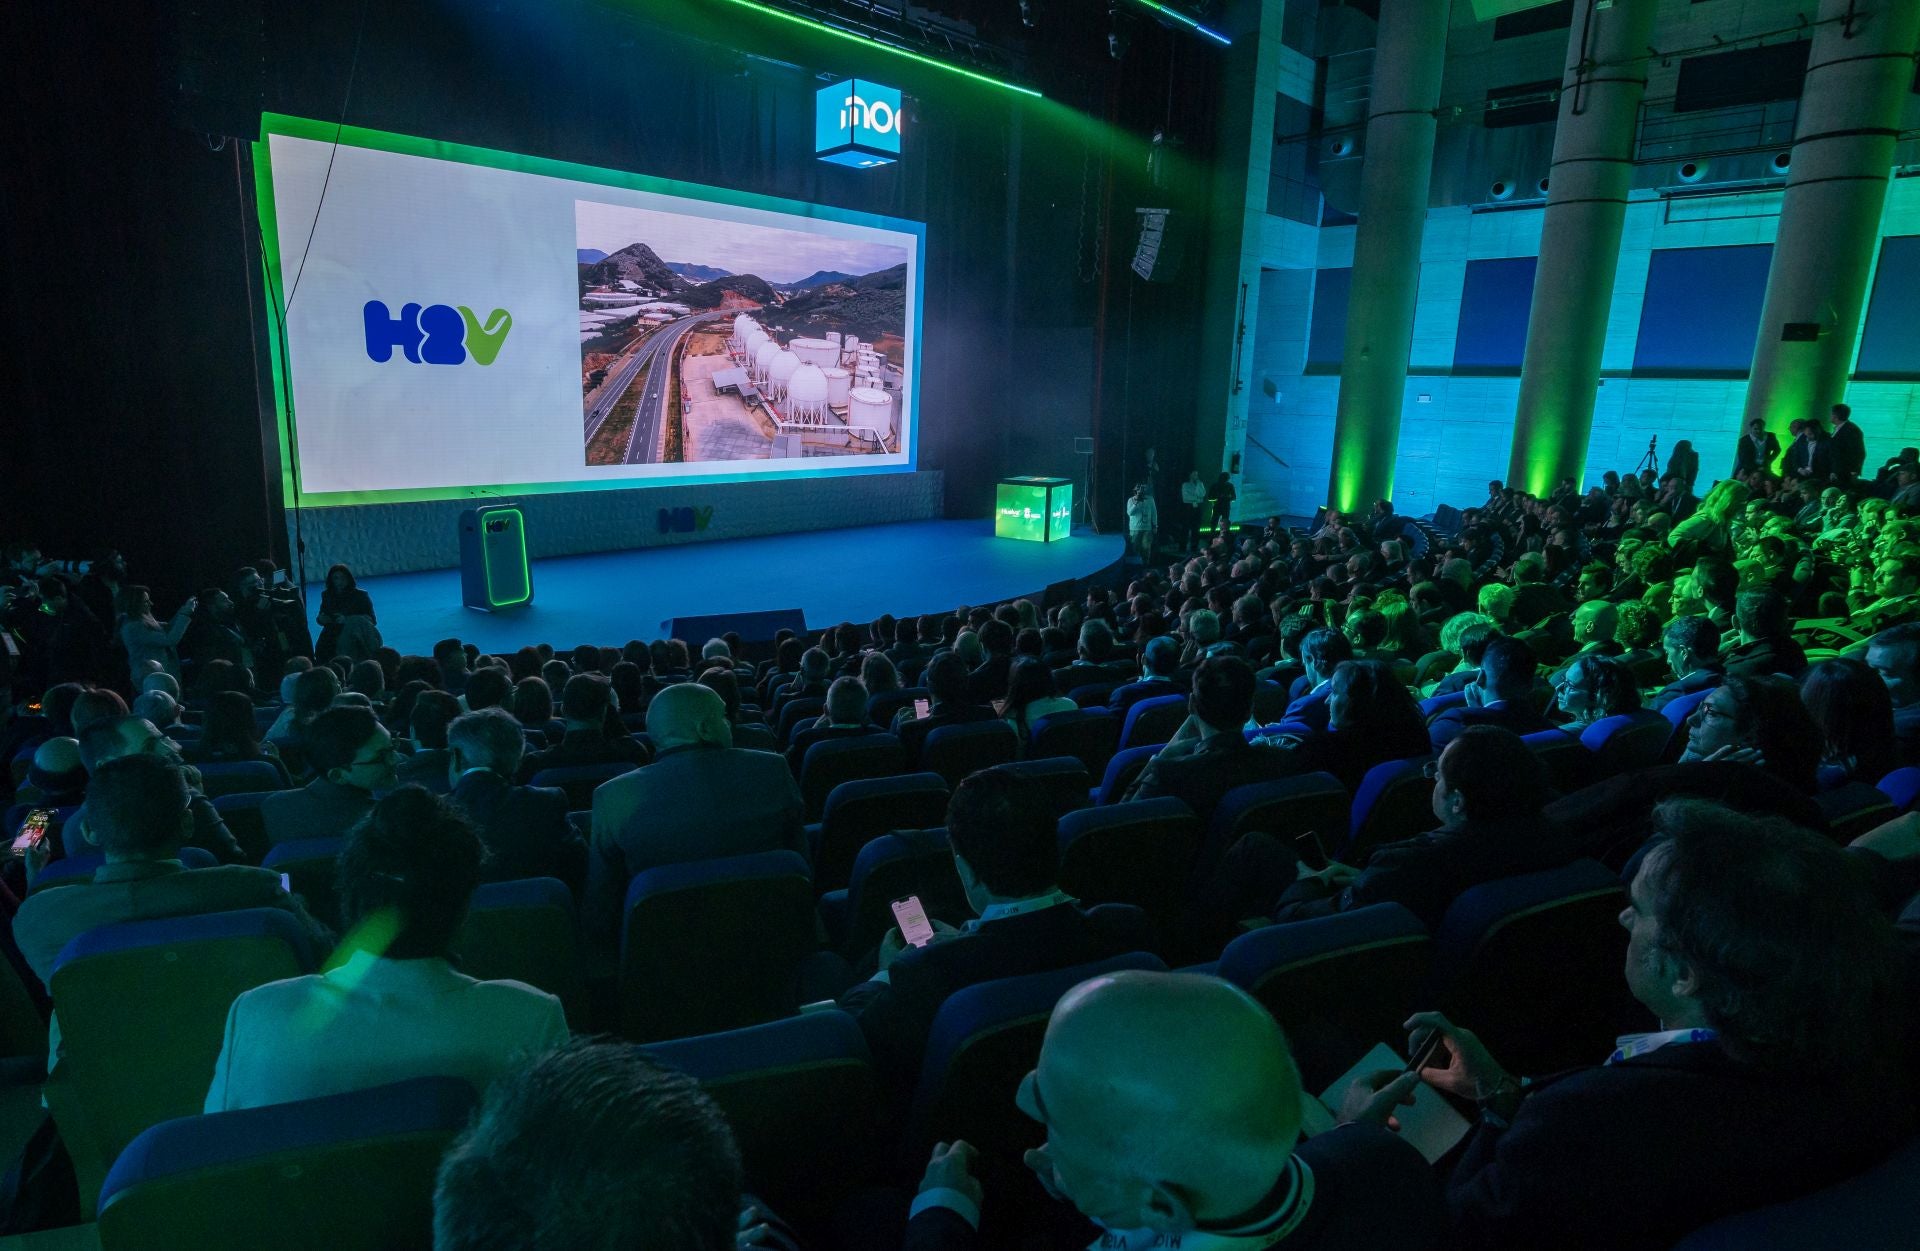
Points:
(1430, 1125)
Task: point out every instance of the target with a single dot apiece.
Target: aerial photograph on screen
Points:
(709, 340)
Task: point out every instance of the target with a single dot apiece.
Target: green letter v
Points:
(484, 344)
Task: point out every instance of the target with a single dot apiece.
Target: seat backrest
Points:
(1534, 960)
(954, 751)
(1062, 781)
(1153, 720)
(984, 1040)
(1853, 808)
(1088, 734)
(1394, 802)
(803, 1101)
(1270, 699)
(1902, 787)
(881, 708)
(526, 930)
(1139, 853)
(176, 978)
(232, 776)
(892, 866)
(1092, 694)
(350, 1172)
(1865, 1213)
(860, 811)
(1336, 984)
(794, 711)
(833, 761)
(1676, 712)
(1283, 808)
(1566, 761)
(312, 867)
(79, 870)
(241, 812)
(580, 781)
(712, 945)
(1431, 707)
(1632, 740)
(1122, 770)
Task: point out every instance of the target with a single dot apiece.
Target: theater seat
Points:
(233, 776)
(833, 761)
(858, 812)
(526, 931)
(1430, 708)
(795, 711)
(1676, 712)
(1871, 1212)
(1336, 984)
(79, 870)
(351, 1172)
(1532, 963)
(1902, 788)
(580, 781)
(1153, 720)
(1138, 853)
(1270, 700)
(1394, 802)
(892, 866)
(312, 866)
(1632, 740)
(241, 812)
(1853, 808)
(804, 1104)
(142, 1011)
(882, 707)
(954, 751)
(1567, 762)
(1061, 781)
(713, 945)
(1088, 734)
(1283, 808)
(1126, 765)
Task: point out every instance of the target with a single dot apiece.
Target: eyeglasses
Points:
(386, 755)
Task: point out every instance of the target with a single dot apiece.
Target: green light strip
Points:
(1182, 18)
(822, 27)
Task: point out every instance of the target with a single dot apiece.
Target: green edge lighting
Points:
(1184, 20)
(824, 28)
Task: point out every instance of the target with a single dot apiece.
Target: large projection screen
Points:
(448, 322)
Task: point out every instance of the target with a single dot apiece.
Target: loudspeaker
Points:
(1162, 245)
(753, 627)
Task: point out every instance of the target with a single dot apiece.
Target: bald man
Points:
(1172, 1110)
(702, 798)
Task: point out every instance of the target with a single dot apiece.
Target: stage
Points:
(831, 575)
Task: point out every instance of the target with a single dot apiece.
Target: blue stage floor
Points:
(831, 575)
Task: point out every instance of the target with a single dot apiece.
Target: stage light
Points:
(865, 41)
(1184, 20)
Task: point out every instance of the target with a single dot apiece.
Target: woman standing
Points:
(343, 599)
(144, 637)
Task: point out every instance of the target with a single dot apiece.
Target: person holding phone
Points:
(949, 683)
(146, 640)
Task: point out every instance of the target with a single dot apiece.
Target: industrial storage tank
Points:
(779, 371)
(834, 337)
(819, 352)
(870, 408)
(742, 327)
(839, 382)
(763, 360)
(806, 394)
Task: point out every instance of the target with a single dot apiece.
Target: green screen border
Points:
(440, 150)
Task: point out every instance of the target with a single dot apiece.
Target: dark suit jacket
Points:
(1509, 714)
(320, 809)
(1201, 773)
(1764, 656)
(1810, 458)
(1638, 1154)
(1748, 457)
(1310, 707)
(583, 747)
(913, 734)
(1125, 697)
(1370, 1191)
(524, 828)
(897, 1014)
(1534, 602)
(1848, 449)
(428, 767)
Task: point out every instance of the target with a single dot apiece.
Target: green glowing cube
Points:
(1036, 509)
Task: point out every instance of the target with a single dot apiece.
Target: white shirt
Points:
(1142, 514)
(371, 1021)
(1193, 494)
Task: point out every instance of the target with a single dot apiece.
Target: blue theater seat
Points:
(1394, 802)
(1902, 788)
(1138, 853)
(1153, 720)
(75, 870)
(1632, 740)
(580, 781)
(1871, 1212)
(350, 1172)
(312, 866)
(234, 776)
(1126, 765)
(1090, 735)
(893, 866)
(1283, 808)
(526, 931)
(834, 761)
(1060, 781)
(241, 812)
(954, 751)
(1676, 712)
(1568, 763)
(860, 811)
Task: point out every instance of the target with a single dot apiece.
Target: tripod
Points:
(1652, 459)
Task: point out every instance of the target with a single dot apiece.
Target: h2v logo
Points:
(434, 334)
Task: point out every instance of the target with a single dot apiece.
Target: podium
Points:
(1038, 510)
(494, 573)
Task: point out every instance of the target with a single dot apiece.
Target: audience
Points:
(948, 685)
(523, 829)
(1503, 695)
(1209, 755)
(351, 756)
(114, 738)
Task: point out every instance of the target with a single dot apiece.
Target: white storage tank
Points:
(806, 393)
(819, 352)
(839, 383)
(871, 409)
(763, 359)
(779, 371)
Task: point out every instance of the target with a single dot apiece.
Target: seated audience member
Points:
(117, 737)
(1758, 949)
(584, 703)
(1850, 705)
(748, 735)
(312, 693)
(599, 1119)
(1472, 639)
(1006, 852)
(488, 687)
(430, 763)
(1759, 721)
(816, 669)
(1502, 695)
(1594, 688)
(394, 1008)
(352, 756)
(1187, 1134)
(157, 708)
(988, 681)
(701, 799)
(1159, 670)
(1488, 789)
(231, 735)
(845, 717)
(1591, 627)
(1692, 645)
(1031, 695)
(1209, 754)
(1895, 655)
(531, 704)
(140, 813)
(947, 684)
(523, 829)
(56, 778)
(1371, 719)
(94, 704)
(1766, 638)
(1096, 662)
(878, 674)
(1321, 652)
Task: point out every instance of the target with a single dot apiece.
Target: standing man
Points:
(1193, 501)
(1757, 449)
(1143, 521)
(1223, 496)
(1808, 455)
(1846, 447)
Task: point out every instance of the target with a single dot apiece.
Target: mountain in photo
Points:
(732, 291)
(698, 273)
(636, 263)
(587, 256)
(818, 278)
(870, 306)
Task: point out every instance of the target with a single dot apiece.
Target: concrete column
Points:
(1858, 75)
(1407, 63)
(1600, 90)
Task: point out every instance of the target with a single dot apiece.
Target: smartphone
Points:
(286, 883)
(920, 708)
(33, 831)
(912, 919)
(1312, 849)
(1423, 1054)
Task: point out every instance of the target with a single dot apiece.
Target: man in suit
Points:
(1321, 652)
(584, 704)
(845, 717)
(1502, 695)
(700, 799)
(1847, 447)
(1534, 598)
(111, 738)
(430, 763)
(1006, 852)
(1758, 947)
(1757, 449)
(1173, 1115)
(1809, 456)
(1209, 755)
(142, 816)
(1895, 655)
(524, 828)
(1692, 645)
(1159, 663)
(947, 686)
(1766, 638)
(352, 756)
(1096, 663)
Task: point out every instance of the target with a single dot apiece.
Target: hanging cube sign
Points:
(857, 123)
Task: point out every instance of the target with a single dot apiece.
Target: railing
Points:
(1666, 136)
